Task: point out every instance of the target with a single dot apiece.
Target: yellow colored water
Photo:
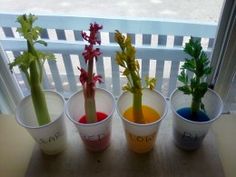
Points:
(150, 115)
(137, 143)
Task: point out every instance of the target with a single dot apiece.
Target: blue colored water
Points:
(187, 114)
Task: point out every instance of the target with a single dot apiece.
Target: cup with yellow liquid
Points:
(141, 137)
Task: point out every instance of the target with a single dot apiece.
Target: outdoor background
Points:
(200, 10)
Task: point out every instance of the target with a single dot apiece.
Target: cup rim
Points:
(196, 122)
(95, 123)
(148, 124)
(39, 126)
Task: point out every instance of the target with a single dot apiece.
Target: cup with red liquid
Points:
(96, 136)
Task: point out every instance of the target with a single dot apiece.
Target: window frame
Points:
(10, 92)
(224, 53)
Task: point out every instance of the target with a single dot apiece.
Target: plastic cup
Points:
(141, 137)
(189, 134)
(96, 136)
(51, 137)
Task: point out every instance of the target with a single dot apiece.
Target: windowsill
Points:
(225, 130)
(17, 146)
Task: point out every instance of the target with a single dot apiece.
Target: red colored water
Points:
(96, 142)
(100, 116)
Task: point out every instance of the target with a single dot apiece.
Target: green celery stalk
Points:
(31, 64)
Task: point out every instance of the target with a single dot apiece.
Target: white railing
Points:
(159, 45)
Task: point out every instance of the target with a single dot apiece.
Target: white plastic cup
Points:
(141, 137)
(96, 136)
(51, 137)
(188, 134)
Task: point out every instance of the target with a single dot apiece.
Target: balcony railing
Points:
(159, 45)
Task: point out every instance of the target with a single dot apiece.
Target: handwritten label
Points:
(187, 136)
(93, 137)
(50, 139)
(142, 139)
(140, 144)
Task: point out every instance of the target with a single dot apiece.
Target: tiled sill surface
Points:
(16, 146)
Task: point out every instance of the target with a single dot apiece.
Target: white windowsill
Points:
(17, 145)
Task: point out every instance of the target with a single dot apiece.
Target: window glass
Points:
(200, 10)
(165, 68)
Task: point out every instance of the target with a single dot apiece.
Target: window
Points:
(158, 39)
(224, 56)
